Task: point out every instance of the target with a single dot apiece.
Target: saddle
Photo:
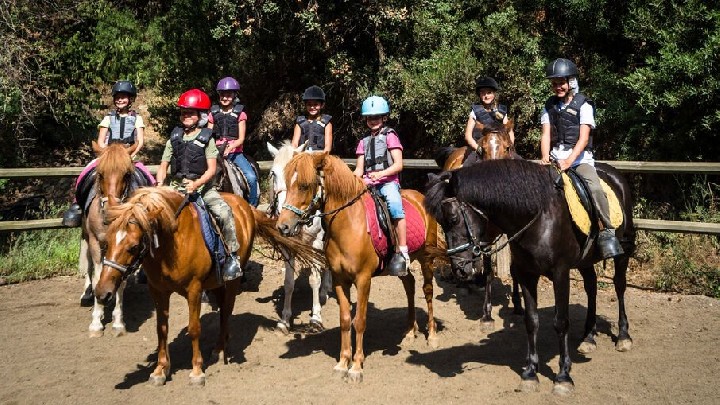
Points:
(582, 210)
(232, 177)
(86, 191)
(211, 236)
(382, 232)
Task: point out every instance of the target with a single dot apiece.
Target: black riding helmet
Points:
(486, 81)
(314, 93)
(560, 67)
(124, 86)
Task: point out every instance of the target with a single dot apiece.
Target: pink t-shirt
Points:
(393, 142)
(222, 141)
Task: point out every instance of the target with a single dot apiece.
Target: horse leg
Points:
(96, 327)
(427, 272)
(487, 323)
(517, 302)
(362, 285)
(342, 291)
(285, 321)
(162, 313)
(561, 286)
(590, 282)
(118, 325)
(529, 379)
(408, 282)
(315, 280)
(197, 376)
(624, 342)
(84, 260)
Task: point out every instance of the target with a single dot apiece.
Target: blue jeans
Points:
(391, 192)
(244, 165)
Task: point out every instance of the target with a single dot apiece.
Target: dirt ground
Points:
(47, 356)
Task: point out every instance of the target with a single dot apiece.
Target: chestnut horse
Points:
(112, 183)
(521, 199)
(318, 181)
(155, 228)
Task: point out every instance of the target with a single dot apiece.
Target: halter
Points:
(137, 261)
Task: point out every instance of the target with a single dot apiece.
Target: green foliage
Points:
(40, 254)
(689, 264)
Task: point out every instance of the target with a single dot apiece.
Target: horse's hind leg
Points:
(624, 342)
(285, 321)
(588, 344)
(226, 302)
(315, 281)
(516, 300)
(118, 325)
(411, 328)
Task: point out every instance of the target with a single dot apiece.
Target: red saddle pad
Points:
(415, 227)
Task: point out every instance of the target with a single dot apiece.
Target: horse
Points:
(155, 228)
(495, 143)
(520, 198)
(318, 181)
(313, 233)
(113, 182)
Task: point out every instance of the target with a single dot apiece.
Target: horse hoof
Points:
(340, 372)
(529, 386)
(282, 328)
(354, 376)
(623, 345)
(434, 342)
(118, 331)
(487, 326)
(587, 347)
(197, 380)
(563, 388)
(316, 326)
(157, 380)
(96, 333)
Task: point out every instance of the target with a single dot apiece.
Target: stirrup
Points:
(231, 269)
(73, 216)
(609, 244)
(398, 265)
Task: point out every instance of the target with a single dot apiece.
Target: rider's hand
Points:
(375, 176)
(190, 186)
(564, 164)
(545, 160)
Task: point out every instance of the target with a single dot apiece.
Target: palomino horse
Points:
(521, 199)
(155, 228)
(113, 183)
(313, 233)
(317, 181)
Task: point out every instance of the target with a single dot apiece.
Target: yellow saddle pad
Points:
(578, 213)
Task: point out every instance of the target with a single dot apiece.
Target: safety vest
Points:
(488, 118)
(313, 130)
(565, 123)
(122, 129)
(377, 156)
(188, 159)
(225, 125)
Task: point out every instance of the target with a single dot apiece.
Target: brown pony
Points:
(495, 143)
(317, 181)
(112, 183)
(157, 229)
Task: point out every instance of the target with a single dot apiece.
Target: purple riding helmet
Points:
(228, 84)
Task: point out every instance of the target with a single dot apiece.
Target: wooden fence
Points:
(423, 164)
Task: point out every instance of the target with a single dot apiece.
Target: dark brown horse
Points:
(520, 198)
(146, 230)
(317, 181)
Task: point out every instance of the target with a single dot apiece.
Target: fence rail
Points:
(424, 164)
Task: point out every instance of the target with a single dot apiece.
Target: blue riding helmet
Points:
(375, 105)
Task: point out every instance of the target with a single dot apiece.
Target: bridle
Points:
(275, 196)
(137, 261)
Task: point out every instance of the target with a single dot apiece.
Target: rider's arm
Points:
(469, 132)
(140, 139)
(397, 165)
(102, 137)
(162, 172)
(328, 137)
(545, 144)
(296, 136)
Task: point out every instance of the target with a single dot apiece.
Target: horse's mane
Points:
(512, 186)
(340, 182)
(148, 206)
(115, 159)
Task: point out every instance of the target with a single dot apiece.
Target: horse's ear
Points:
(130, 148)
(445, 176)
(302, 147)
(273, 150)
(509, 125)
(96, 148)
(319, 159)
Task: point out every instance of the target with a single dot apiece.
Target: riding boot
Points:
(398, 265)
(609, 244)
(72, 217)
(232, 268)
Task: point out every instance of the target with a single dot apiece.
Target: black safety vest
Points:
(225, 125)
(313, 130)
(377, 156)
(488, 118)
(121, 129)
(565, 123)
(188, 159)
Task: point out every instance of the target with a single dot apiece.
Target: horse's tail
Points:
(303, 253)
(443, 154)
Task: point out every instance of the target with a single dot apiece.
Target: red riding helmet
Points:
(195, 99)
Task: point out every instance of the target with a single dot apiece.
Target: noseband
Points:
(137, 261)
(306, 215)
